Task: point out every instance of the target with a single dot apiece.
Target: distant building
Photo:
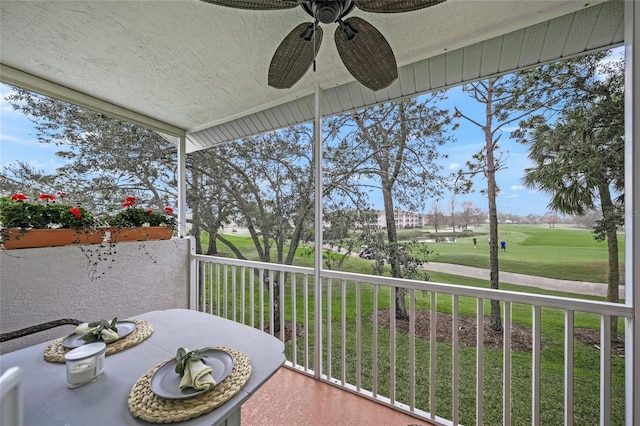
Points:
(402, 218)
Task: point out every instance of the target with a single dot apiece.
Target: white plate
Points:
(166, 382)
(73, 341)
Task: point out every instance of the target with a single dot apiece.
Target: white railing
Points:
(402, 370)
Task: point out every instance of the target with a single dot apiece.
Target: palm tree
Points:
(579, 164)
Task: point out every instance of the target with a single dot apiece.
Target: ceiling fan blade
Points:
(394, 6)
(256, 4)
(294, 56)
(366, 53)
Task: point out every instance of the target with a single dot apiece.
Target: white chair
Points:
(11, 398)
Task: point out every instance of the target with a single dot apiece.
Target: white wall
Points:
(44, 284)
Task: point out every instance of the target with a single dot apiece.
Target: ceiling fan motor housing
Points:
(328, 11)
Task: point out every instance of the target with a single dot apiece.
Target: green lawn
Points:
(570, 254)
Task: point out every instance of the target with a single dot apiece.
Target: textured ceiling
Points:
(203, 68)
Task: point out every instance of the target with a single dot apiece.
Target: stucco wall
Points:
(88, 283)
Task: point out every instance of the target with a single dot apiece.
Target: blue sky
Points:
(18, 142)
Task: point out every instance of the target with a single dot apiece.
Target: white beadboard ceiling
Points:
(184, 66)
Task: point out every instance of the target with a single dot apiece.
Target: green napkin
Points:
(197, 375)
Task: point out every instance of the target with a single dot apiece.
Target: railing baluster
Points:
(281, 291)
(455, 360)
(374, 350)
(605, 370)
(226, 291)
(294, 323)
(535, 377)
(329, 317)
(234, 303)
(343, 336)
(358, 336)
(261, 293)
(252, 297)
(479, 359)
(392, 345)
(272, 310)
(317, 347)
(305, 295)
(506, 365)
(242, 294)
(210, 287)
(568, 367)
(218, 284)
(433, 337)
(412, 349)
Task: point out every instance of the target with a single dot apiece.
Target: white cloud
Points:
(454, 166)
(516, 187)
(9, 138)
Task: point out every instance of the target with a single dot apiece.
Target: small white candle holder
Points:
(85, 364)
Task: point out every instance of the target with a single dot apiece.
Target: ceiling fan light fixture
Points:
(328, 12)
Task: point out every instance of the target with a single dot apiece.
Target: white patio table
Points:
(48, 401)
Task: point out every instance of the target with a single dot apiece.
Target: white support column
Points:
(632, 210)
(182, 221)
(182, 187)
(317, 146)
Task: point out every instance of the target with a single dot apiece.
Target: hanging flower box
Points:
(140, 224)
(45, 223)
(17, 238)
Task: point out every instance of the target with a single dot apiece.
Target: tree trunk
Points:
(213, 246)
(490, 173)
(394, 257)
(276, 300)
(612, 246)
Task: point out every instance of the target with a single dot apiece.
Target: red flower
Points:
(129, 202)
(47, 197)
(61, 194)
(18, 197)
(168, 210)
(149, 211)
(76, 212)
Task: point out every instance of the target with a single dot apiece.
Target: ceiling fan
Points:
(363, 49)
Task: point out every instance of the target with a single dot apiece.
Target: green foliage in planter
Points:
(137, 217)
(26, 215)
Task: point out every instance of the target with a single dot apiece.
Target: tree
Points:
(453, 213)
(506, 100)
(579, 159)
(106, 158)
(394, 146)
(268, 182)
(471, 213)
(551, 218)
(436, 214)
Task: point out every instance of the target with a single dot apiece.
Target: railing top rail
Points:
(565, 303)
(253, 264)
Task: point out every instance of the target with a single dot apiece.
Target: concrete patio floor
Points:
(290, 399)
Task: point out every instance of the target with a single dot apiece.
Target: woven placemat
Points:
(55, 351)
(146, 405)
